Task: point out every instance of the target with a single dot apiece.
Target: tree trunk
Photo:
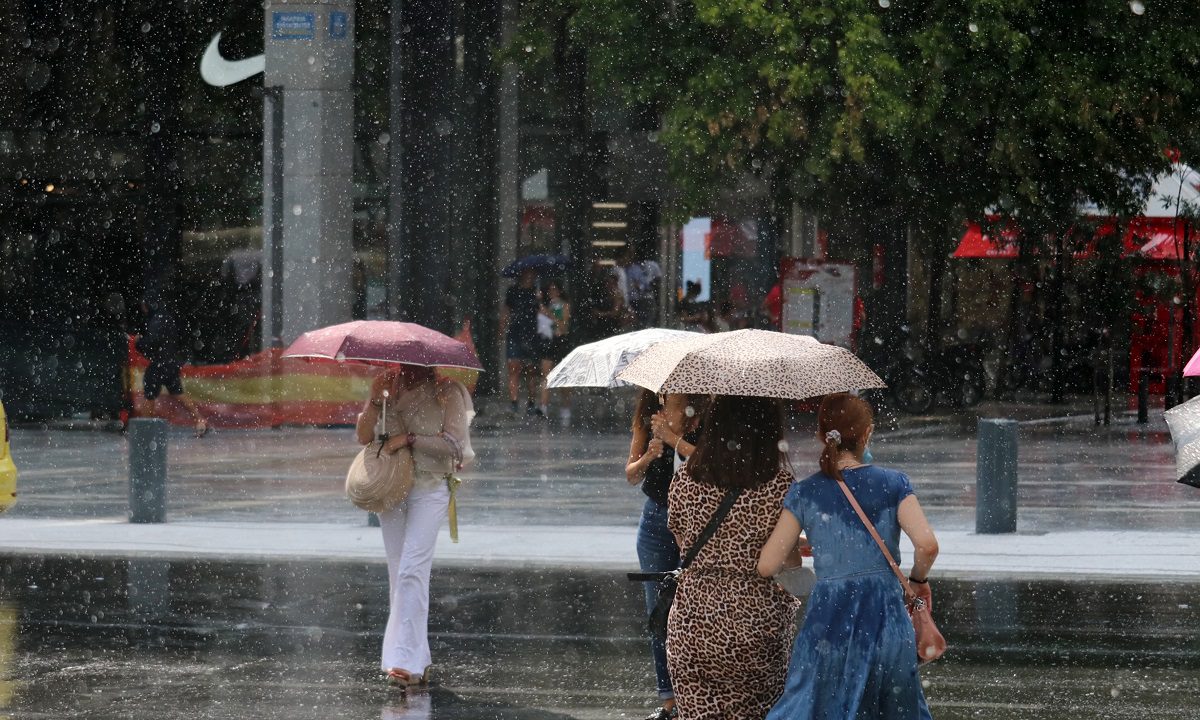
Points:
(1057, 334)
(938, 265)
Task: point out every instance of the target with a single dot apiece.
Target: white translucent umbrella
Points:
(1184, 421)
(597, 364)
(759, 363)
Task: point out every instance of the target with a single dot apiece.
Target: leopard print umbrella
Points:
(750, 362)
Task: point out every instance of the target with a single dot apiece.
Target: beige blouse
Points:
(439, 413)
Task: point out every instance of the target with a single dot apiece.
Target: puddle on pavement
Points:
(157, 639)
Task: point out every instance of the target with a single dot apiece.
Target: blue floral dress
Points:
(855, 657)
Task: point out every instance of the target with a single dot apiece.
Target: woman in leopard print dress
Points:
(730, 629)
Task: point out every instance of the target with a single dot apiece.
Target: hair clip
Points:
(833, 436)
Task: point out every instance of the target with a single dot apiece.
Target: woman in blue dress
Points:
(855, 656)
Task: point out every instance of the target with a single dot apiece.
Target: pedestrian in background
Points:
(730, 628)
(519, 326)
(557, 308)
(160, 345)
(435, 418)
(856, 656)
(651, 464)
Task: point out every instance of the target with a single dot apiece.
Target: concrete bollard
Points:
(996, 477)
(147, 470)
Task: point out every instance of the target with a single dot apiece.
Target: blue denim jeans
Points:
(657, 552)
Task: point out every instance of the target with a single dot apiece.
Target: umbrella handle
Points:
(383, 414)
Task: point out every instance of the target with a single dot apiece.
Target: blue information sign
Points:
(339, 24)
(293, 25)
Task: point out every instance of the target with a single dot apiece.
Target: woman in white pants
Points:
(431, 417)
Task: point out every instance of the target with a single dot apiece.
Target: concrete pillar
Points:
(147, 470)
(508, 178)
(996, 477)
(310, 55)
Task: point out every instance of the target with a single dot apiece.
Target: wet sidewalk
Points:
(1076, 555)
(1092, 502)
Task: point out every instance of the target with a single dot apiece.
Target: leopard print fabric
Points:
(730, 631)
(762, 363)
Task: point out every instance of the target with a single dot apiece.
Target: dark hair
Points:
(851, 417)
(740, 445)
(562, 294)
(417, 374)
(647, 405)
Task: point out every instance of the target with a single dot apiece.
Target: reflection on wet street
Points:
(156, 639)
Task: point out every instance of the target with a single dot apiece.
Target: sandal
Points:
(405, 679)
(663, 713)
(201, 428)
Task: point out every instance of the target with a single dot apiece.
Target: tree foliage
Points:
(941, 108)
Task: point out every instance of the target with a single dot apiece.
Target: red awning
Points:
(1145, 238)
(975, 244)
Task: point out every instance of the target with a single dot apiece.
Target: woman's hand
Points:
(654, 450)
(661, 428)
(921, 590)
(385, 380)
(395, 444)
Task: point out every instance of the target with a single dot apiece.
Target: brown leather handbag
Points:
(931, 645)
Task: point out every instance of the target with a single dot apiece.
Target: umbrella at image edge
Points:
(383, 342)
(759, 363)
(1184, 421)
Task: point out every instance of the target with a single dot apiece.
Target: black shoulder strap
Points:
(710, 529)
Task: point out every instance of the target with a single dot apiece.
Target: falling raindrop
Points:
(973, 27)
(384, 138)
(145, 27)
(731, 445)
(312, 60)
(1137, 7)
(528, 48)
(341, 357)
(783, 446)
(297, 209)
(689, 411)
(885, 4)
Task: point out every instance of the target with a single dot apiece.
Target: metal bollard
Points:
(372, 520)
(1143, 396)
(147, 470)
(996, 477)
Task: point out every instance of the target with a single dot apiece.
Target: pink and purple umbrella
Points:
(383, 342)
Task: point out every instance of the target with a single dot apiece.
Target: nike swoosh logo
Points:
(218, 71)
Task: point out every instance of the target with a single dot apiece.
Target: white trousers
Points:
(410, 533)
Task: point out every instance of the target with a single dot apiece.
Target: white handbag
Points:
(377, 480)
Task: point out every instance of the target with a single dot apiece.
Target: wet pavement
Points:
(1071, 475)
(152, 637)
(155, 639)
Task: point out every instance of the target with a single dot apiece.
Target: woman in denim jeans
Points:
(660, 434)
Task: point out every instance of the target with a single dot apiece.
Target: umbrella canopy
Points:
(383, 342)
(750, 362)
(1192, 369)
(538, 263)
(1184, 421)
(597, 364)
